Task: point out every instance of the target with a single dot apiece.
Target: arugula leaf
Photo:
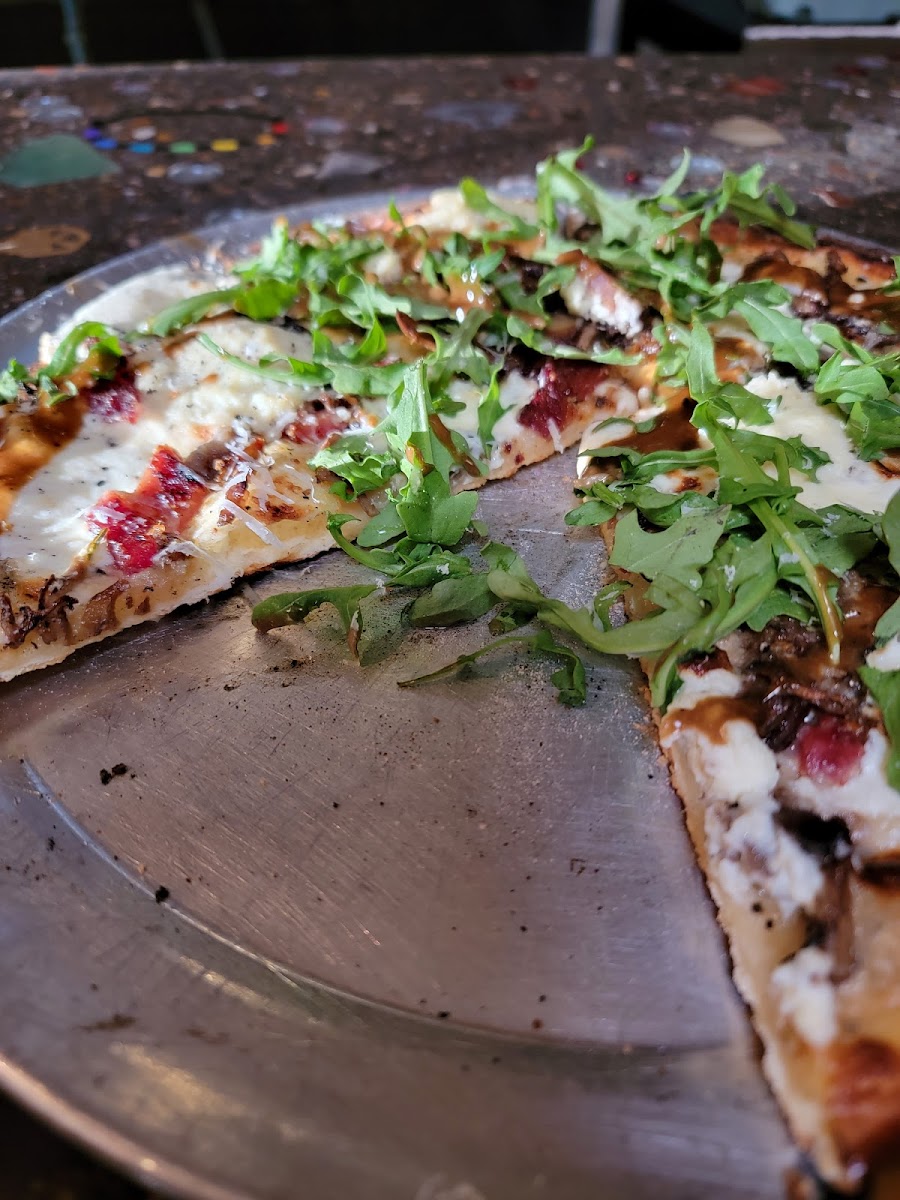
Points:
(559, 182)
(290, 608)
(689, 357)
(456, 353)
(406, 563)
(452, 601)
(765, 292)
(361, 300)
(515, 296)
(105, 342)
(187, 312)
(286, 370)
(889, 624)
(885, 688)
(783, 333)
(510, 581)
(535, 340)
(677, 551)
(280, 257)
(747, 198)
(780, 603)
(358, 467)
(816, 584)
(490, 410)
(862, 386)
(569, 678)
(511, 225)
(15, 374)
(430, 512)
(264, 300)
(383, 527)
(741, 478)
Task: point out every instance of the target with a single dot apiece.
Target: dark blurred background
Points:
(48, 32)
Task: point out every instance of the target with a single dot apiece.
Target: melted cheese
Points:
(847, 479)
(447, 210)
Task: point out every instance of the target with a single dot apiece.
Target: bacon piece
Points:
(138, 524)
(115, 399)
(829, 750)
(316, 423)
(561, 386)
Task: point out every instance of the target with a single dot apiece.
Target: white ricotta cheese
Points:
(697, 686)
(737, 766)
(754, 852)
(806, 996)
(886, 657)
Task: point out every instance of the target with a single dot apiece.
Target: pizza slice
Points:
(157, 455)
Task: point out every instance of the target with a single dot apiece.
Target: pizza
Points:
(731, 383)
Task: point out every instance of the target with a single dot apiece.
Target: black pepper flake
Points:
(443, 1015)
(120, 769)
(51, 843)
(105, 776)
(161, 894)
(537, 1023)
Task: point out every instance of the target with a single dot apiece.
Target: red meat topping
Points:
(561, 386)
(829, 749)
(316, 423)
(138, 524)
(115, 399)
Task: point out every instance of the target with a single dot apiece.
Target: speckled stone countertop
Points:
(139, 153)
(186, 145)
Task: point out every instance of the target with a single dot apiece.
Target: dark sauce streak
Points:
(672, 431)
(31, 440)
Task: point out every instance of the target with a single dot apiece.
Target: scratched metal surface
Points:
(435, 944)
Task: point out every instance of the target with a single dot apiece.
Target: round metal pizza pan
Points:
(330, 939)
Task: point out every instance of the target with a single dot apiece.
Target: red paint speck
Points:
(756, 85)
(829, 751)
(560, 386)
(521, 83)
(115, 399)
(279, 128)
(632, 178)
(138, 524)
